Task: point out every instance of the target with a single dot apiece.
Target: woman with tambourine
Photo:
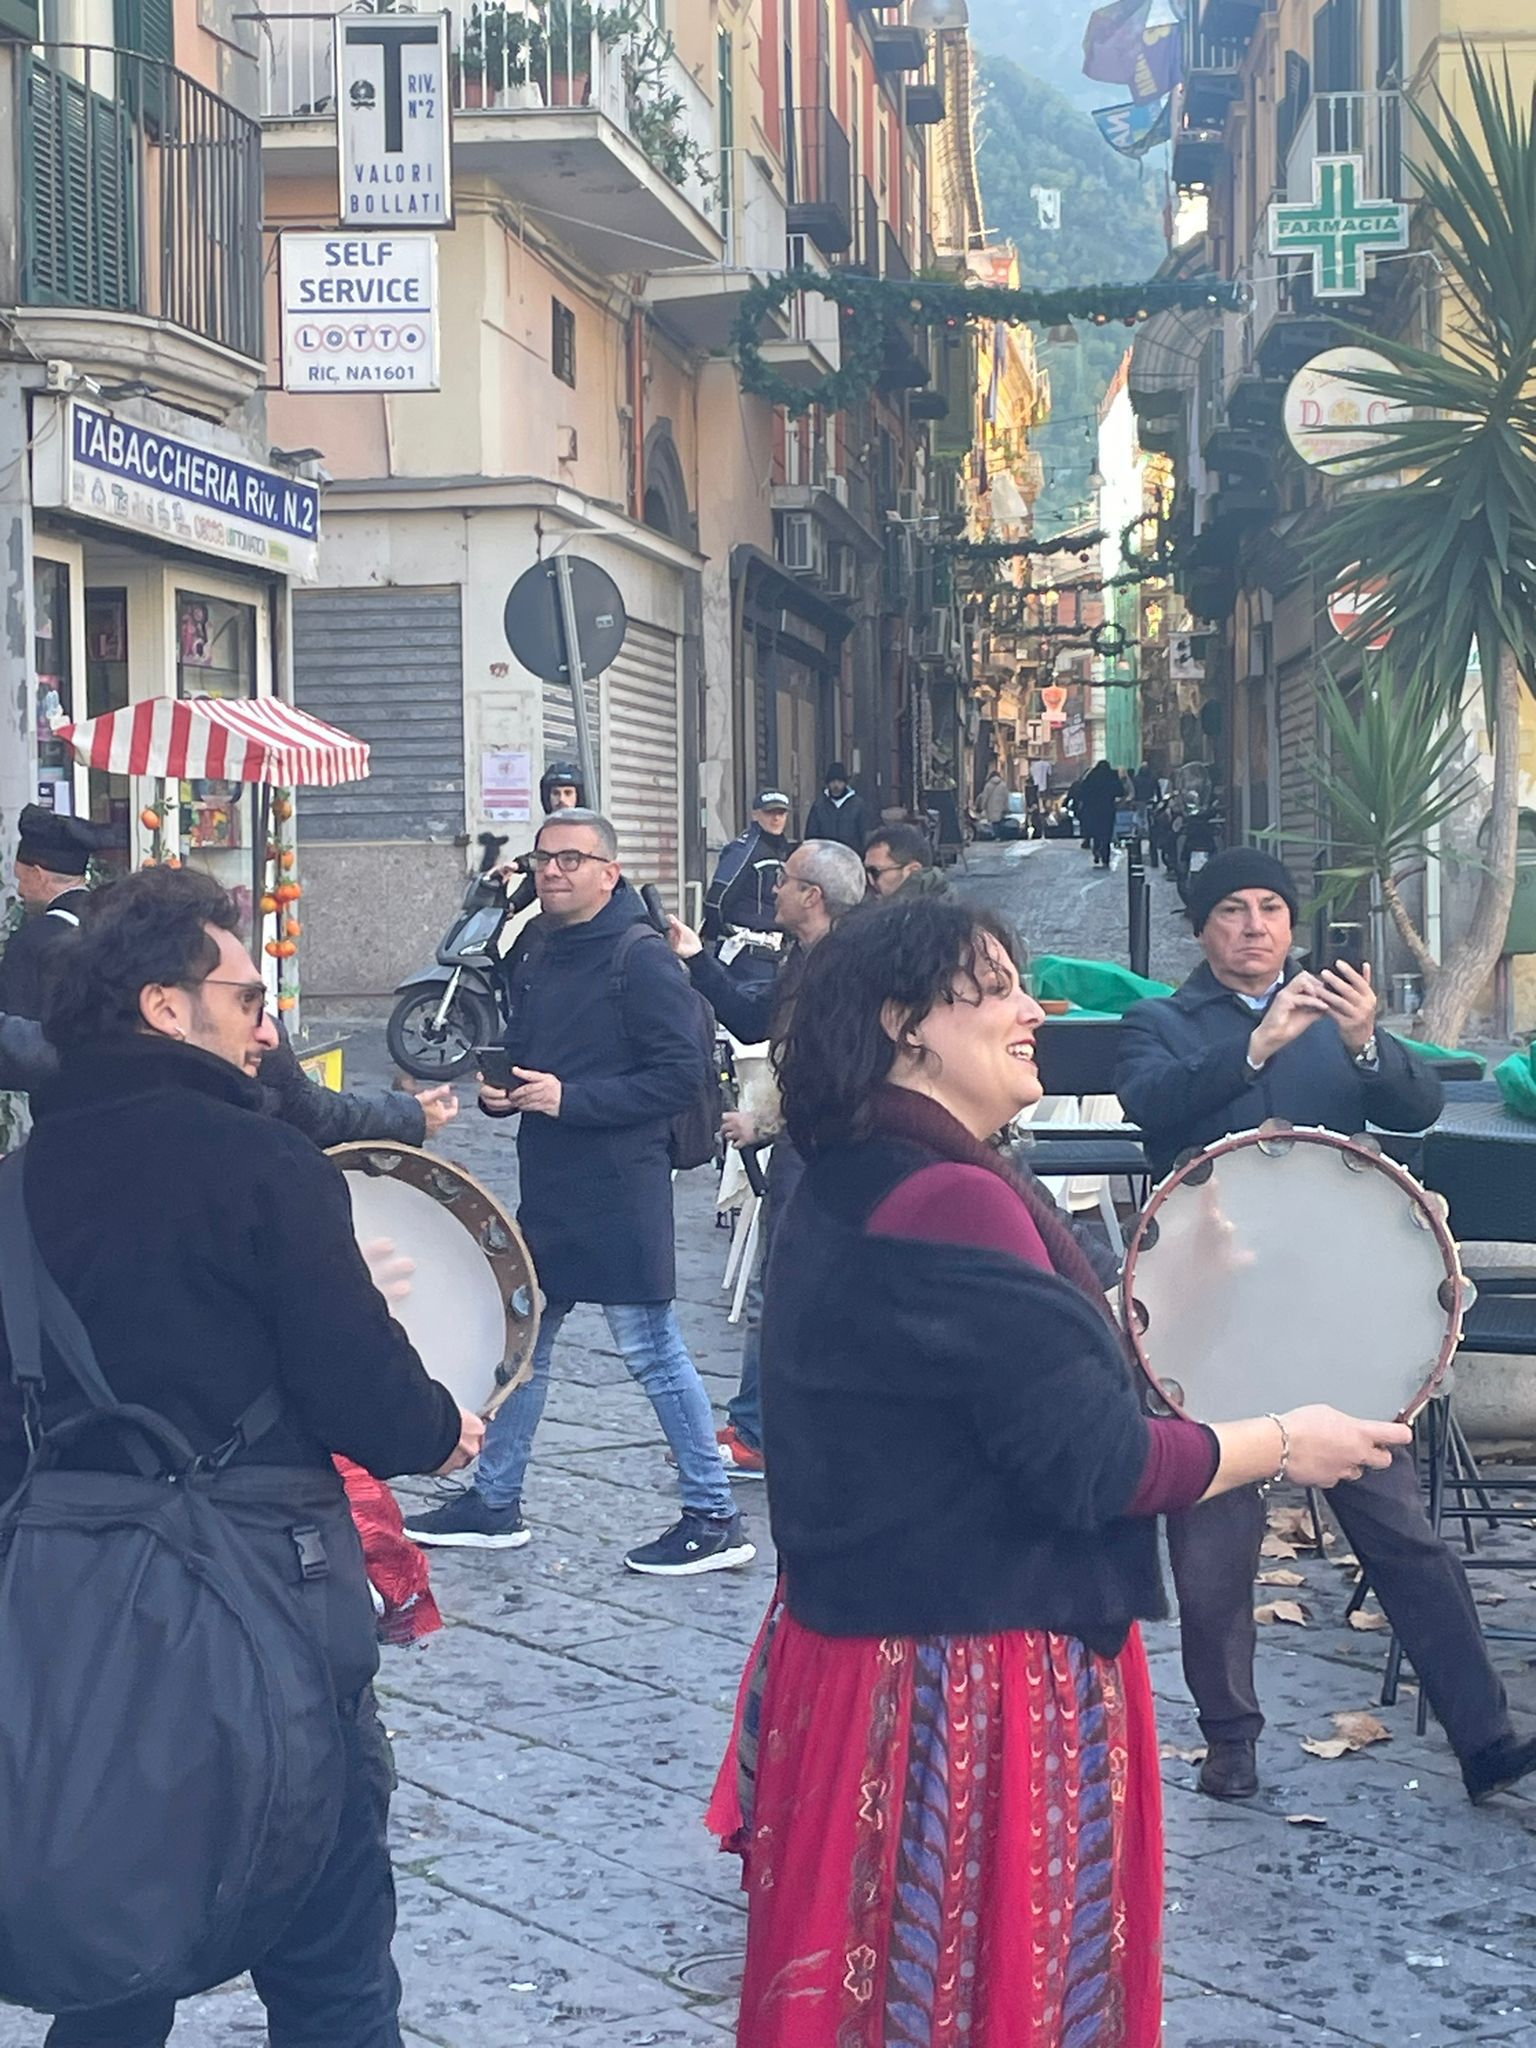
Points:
(944, 1780)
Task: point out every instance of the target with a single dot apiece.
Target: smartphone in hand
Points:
(495, 1065)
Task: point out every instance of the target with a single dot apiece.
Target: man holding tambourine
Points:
(1250, 1038)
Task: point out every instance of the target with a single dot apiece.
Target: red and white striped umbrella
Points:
(219, 739)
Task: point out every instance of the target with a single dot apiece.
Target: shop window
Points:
(106, 689)
(562, 343)
(53, 661)
(216, 657)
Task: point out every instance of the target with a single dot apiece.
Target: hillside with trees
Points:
(1111, 232)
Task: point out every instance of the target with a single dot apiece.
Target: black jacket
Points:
(842, 818)
(209, 1253)
(742, 894)
(953, 1435)
(325, 1116)
(595, 1182)
(32, 951)
(1182, 1074)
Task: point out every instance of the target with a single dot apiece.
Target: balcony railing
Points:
(517, 57)
(140, 193)
(819, 168)
(1365, 124)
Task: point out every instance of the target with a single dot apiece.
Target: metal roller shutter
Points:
(1298, 737)
(643, 783)
(388, 666)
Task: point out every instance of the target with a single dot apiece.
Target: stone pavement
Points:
(557, 1741)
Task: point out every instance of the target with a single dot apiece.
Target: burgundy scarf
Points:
(900, 1113)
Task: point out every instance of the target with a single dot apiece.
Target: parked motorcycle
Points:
(448, 1010)
(1198, 825)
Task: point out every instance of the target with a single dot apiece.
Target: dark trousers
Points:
(329, 1981)
(1101, 841)
(1215, 1554)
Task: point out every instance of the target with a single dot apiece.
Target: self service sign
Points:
(393, 126)
(359, 312)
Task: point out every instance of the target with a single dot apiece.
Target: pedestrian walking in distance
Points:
(1249, 1037)
(605, 1050)
(1096, 800)
(838, 813)
(207, 1251)
(945, 1774)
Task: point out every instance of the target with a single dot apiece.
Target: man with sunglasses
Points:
(603, 1050)
(209, 1253)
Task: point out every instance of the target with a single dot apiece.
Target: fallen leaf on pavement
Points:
(1282, 1610)
(1356, 1731)
(1360, 1730)
(1276, 1546)
(1345, 1561)
(1282, 1578)
(1183, 1756)
(1293, 1525)
(1305, 1820)
(1491, 1599)
(1367, 1618)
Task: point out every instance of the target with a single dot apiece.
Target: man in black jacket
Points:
(839, 813)
(822, 882)
(209, 1253)
(52, 855)
(605, 1048)
(1246, 1038)
(742, 895)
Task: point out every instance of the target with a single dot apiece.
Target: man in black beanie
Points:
(1248, 1037)
(51, 861)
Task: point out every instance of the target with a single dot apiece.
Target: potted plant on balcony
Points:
(570, 26)
(657, 111)
(500, 57)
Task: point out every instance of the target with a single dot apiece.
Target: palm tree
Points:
(1454, 545)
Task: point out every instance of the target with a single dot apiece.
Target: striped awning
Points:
(219, 739)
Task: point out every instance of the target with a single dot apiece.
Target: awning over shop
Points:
(219, 739)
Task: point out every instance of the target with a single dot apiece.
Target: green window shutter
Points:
(79, 247)
(20, 21)
(148, 27)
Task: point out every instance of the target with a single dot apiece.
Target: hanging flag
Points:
(1047, 200)
(1120, 49)
(1136, 127)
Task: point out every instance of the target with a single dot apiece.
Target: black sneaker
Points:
(469, 1522)
(699, 1543)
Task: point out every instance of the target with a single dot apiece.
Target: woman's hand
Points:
(1327, 1446)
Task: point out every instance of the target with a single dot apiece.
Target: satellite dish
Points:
(534, 627)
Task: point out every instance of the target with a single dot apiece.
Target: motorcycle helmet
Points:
(561, 775)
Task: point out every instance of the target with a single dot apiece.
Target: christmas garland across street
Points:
(871, 306)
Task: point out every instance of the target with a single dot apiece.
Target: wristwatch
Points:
(1369, 1055)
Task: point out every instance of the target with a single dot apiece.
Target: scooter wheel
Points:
(429, 1052)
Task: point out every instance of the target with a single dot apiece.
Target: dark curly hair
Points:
(148, 930)
(836, 1051)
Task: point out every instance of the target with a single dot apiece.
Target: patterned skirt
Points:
(948, 1842)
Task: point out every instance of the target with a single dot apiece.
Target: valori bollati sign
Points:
(359, 312)
(393, 128)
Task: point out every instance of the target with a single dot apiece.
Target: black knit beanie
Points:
(1240, 867)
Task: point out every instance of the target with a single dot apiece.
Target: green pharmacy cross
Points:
(1338, 228)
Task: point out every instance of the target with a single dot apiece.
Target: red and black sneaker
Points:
(738, 1457)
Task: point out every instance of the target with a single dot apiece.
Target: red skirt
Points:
(948, 1842)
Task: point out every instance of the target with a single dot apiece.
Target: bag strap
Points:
(34, 1304)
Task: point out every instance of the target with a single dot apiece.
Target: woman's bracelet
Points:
(1277, 1478)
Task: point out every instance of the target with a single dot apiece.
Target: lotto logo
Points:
(360, 337)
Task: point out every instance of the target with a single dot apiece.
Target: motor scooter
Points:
(447, 1011)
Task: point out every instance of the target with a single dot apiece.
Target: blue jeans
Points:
(647, 1334)
(744, 1410)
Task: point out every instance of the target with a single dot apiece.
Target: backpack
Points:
(692, 1132)
(163, 1814)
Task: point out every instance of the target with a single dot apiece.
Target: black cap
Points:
(1240, 867)
(62, 845)
(770, 800)
(837, 772)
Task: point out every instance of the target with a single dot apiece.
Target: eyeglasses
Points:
(874, 873)
(251, 995)
(567, 860)
(798, 881)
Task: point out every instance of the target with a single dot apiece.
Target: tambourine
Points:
(472, 1308)
(1284, 1266)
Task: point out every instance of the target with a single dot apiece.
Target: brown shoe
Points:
(1230, 1771)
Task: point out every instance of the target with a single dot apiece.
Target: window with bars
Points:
(562, 342)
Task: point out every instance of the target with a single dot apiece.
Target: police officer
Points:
(50, 880)
(744, 893)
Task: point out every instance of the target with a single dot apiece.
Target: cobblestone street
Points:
(557, 1741)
